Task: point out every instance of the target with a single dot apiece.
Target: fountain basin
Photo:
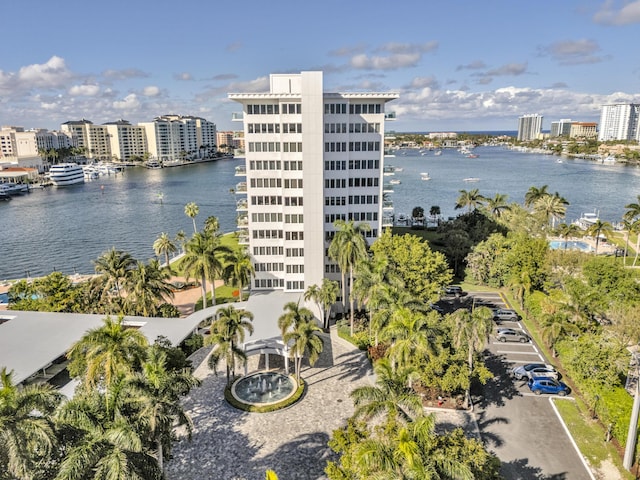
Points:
(263, 389)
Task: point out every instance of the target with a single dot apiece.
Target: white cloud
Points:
(151, 91)
(49, 75)
(84, 90)
(184, 76)
(124, 74)
(129, 102)
(626, 15)
(573, 52)
(391, 62)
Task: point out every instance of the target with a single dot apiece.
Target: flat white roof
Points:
(31, 341)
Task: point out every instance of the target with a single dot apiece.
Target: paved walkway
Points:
(230, 444)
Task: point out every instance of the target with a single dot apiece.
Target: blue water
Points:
(4, 298)
(65, 229)
(570, 245)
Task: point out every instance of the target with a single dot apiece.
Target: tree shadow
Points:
(498, 388)
(353, 365)
(488, 437)
(521, 470)
(302, 458)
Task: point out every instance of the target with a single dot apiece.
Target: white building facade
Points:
(311, 158)
(529, 127)
(561, 128)
(176, 137)
(126, 141)
(619, 122)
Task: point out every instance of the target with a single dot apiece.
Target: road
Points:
(521, 428)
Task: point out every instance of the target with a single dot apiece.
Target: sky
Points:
(456, 65)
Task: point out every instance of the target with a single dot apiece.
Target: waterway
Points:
(65, 229)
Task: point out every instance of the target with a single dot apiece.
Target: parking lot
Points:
(522, 428)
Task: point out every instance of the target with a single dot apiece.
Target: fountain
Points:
(264, 388)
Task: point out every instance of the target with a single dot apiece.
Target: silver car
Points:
(531, 370)
(512, 335)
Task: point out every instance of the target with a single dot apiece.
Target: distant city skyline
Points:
(455, 67)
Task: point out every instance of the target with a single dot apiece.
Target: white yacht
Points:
(66, 174)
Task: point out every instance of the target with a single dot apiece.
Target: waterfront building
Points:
(92, 139)
(584, 130)
(619, 121)
(561, 128)
(311, 158)
(126, 141)
(54, 139)
(529, 127)
(177, 137)
(19, 148)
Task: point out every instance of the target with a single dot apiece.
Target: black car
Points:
(454, 290)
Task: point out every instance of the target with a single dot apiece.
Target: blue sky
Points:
(457, 65)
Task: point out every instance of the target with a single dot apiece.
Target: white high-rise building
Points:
(311, 158)
(529, 127)
(619, 122)
(126, 141)
(175, 137)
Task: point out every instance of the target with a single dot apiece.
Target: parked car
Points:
(437, 308)
(505, 314)
(531, 370)
(512, 335)
(540, 385)
(454, 290)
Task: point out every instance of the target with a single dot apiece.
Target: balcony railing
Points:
(242, 221)
(242, 205)
(390, 116)
(241, 171)
(387, 221)
(243, 239)
(237, 117)
(387, 205)
(241, 187)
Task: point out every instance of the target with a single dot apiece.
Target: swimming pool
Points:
(570, 245)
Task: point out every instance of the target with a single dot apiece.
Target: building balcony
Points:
(241, 187)
(387, 221)
(242, 205)
(390, 116)
(242, 221)
(243, 238)
(237, 117)
(387, 188)
(241, 171)
(387, 205)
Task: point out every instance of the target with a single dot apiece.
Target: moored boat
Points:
(65, 174)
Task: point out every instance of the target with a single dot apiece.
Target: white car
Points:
(531, 370)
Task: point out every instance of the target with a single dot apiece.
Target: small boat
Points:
(471, 179)
(437, 153)
(398, 169)
(472, 155)
(425, 176)
(395, 181)
(559, 160)
(153, 164)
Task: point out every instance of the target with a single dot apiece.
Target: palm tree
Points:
(324, 297)
(204, 259)
(411, 337)
(238, 270)
(632, 214)
(227, 334)
(212, 225)
(521, 284)
(497, 204)
(112, 441)
(105, 353)
(551, 207)
(599, 228)
(147, 288)
(347, 248)
(181, 238)
(390, 397)
(535, 193)
(164, 246)
(115, 266)
(158, 390)
(191, 210)
(567, 231)
(293, 316)
(304, 338)
(26, 430)
(471, 331)
(555, 327)
(470, 199)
